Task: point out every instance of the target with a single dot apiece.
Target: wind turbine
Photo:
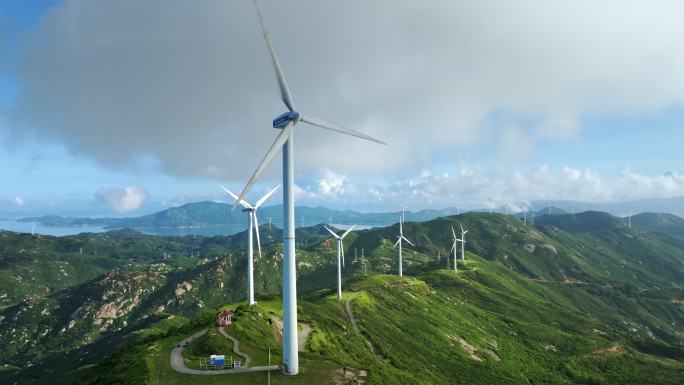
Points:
(33, 228)
(286, 123)
(253, 226)
(463, 241)
(454, 248)
(403, 208)
(340, 256)
(490, 205)
(399, 238)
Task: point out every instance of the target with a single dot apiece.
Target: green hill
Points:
(663, 223)
(576, 299)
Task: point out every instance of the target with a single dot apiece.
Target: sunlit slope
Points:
(488, 325)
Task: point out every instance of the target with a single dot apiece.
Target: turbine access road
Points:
(178, 364)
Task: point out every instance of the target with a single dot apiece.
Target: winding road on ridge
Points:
(178, 364)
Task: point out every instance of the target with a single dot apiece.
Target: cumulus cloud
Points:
(18, 201)
(122, 200)
(187, 87)
(471, 188)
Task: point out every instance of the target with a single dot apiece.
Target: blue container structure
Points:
(217, 360)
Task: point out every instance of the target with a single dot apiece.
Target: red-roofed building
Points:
(225, 318)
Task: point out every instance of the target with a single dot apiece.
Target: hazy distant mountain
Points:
(670, 205)
(211, 218)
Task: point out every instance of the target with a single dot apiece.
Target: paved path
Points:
(236, 347)
(302, 336)
(178, 364)
(350, 315)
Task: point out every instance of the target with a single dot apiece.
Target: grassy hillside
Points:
(575, 299)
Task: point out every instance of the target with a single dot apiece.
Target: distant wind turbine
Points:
(399, 239)
(463, 241)
(490, 205)
(33, 228)
(454, 248)
(253, 226)
(286, 122)
(340, 257)
(403, 208)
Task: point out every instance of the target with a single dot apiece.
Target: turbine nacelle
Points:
(282, 120)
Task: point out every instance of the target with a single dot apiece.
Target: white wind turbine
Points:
(399, 239)
(463, 241)
(340, 257)
(454, 248)
(286, 123)
(253, 226)
(403, 208)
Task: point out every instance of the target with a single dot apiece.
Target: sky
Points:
(127, 107)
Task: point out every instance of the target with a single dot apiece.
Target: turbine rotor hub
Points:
(282, 120)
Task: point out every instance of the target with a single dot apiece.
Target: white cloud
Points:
(187, 86)
(331, 183)
(18, 201)
(471, 188)
(122, 200)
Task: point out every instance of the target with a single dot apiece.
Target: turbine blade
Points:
(401, 228)
(256, 227)
(282, 84)
(342, 251)
(265, 197)
(336, 127)
(275, 147)
(332, 232)
(237, 200)
(460, 227)
(466, 232)
(347, 232)
(452, 247)
(453, 232)
(395, 245)
(408, 241)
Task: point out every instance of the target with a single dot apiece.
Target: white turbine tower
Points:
(340, 257)
(454, 248)
(399, 239)
(403, 208)
(253, 226)
(286, 122)
(463, 241)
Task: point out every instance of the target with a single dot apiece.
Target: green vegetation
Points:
(576, 299)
